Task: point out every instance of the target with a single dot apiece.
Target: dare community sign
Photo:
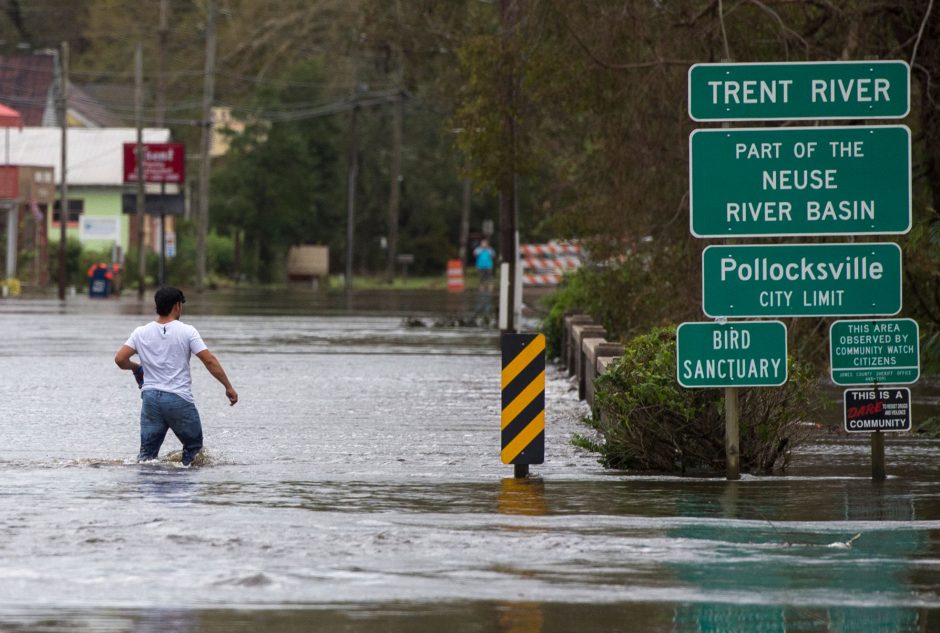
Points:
(799, 90)
(869, 410)
(763, 182)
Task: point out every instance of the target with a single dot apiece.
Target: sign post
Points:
(820, 181)
(523, 401)
(161, 163)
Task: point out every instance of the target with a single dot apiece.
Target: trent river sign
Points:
(801, 280)
(739, 354)
(759, 182)
(881, 351)
(799, 90)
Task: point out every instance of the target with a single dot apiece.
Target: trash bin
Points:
(99, 281)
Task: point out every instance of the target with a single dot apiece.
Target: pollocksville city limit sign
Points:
(760, 182)
(801, 280)
(799, 90)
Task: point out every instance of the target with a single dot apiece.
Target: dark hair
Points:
(167, 297)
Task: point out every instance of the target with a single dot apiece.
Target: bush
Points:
(570, 297)
(649, 422)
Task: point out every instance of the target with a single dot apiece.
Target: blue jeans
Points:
(161, 411)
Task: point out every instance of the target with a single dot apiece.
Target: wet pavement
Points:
(357, 487)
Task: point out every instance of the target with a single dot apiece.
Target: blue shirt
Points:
(484, 257)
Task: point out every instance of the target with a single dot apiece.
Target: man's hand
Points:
(215, 368)
(139, 377)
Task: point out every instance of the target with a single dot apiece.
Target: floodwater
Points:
(357, 487)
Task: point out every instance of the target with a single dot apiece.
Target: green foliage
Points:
(649, 422)
(76, 263)
(570, 297)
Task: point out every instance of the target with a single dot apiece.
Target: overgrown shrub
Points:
(648, 422)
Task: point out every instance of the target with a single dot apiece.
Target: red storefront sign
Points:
(163, 162)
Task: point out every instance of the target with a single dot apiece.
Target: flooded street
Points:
(357, 486)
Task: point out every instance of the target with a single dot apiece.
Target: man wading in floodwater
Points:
(164, 347)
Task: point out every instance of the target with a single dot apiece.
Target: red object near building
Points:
(163, 162)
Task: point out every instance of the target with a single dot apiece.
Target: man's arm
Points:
(215, 368)
(123, 358)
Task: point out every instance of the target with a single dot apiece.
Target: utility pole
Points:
(208, 96)
(63, 173)
(465, 220)
(351, 175)
(162, 36)
(394, 197)
(139, 152)
(508, 10)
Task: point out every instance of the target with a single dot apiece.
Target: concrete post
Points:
(595, 348)
(579, 332)
(569, 322)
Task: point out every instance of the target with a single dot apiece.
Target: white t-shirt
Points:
(164, 350)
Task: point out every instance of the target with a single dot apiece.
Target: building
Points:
(95, 180)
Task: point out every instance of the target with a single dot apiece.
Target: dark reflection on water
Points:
(498, 617)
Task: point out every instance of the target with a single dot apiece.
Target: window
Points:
(76, 208)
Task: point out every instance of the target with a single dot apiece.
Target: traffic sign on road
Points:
(758, 182)
(799, 90)
(878, 351)
(869, 410)
(738, 354)
(801, 280)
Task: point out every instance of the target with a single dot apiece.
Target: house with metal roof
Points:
(95, 177)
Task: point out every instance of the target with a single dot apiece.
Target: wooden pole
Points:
(139, 151)
(208, 95)
(507, 204)
(878, 456)
(732, 434)
(162, 33)
(351, 176)
(63, 175)
(394, 196)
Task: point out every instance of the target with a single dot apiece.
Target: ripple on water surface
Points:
(357, 485)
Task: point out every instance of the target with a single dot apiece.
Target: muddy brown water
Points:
(357, 487)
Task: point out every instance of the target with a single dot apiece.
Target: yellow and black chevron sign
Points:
(523, 418)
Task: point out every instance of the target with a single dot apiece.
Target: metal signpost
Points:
(738, 354)
(523, 401)
(870, 352)
(760, 182)
(799, 90)
(801, 280)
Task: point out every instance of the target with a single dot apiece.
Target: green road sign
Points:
(801, 280)
(738, 354)
(799, 90)
(880, 351)
(800, 181)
